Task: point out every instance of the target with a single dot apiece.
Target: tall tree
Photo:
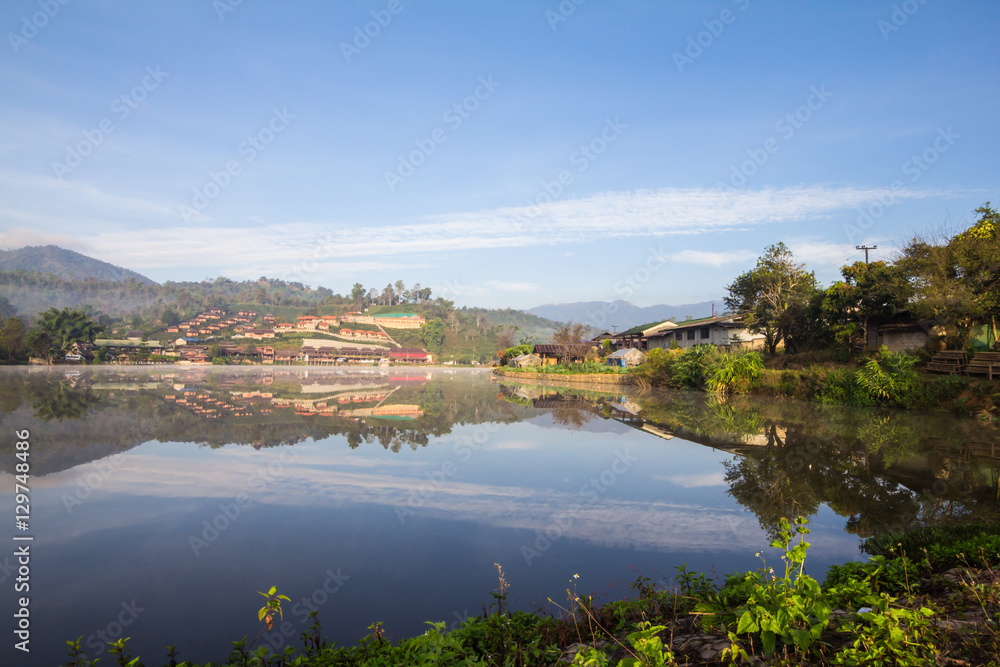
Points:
(570, 339)
(432, 334)
(13, 339)
(762, 296)
(956, 281)
(65, 327)
(868, 295)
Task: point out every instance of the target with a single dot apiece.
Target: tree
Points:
(762, 296)
(357, 293)
(169, 317)
(570, 339)
(65, 327)
(956, 281)
(869, 294)
(432, 335)
(400, 289)
(39, 343)
(13, 339)
(7, 309)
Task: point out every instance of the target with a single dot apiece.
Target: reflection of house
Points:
(724, 331)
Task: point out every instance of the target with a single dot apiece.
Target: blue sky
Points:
(503, 153)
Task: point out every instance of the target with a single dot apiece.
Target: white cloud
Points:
(716, 259)
(505, 286)
(103, 220)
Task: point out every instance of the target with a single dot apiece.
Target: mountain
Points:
(621, 314)
(66, 264)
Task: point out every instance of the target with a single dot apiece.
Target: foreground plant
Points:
(266, 613)
(791, 608)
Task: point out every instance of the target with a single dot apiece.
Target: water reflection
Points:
(884, 471)
(414, 482)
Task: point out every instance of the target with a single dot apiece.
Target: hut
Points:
(526, 360)
(626, 357)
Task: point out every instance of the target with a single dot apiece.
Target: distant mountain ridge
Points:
(66, 264)
(605, 315)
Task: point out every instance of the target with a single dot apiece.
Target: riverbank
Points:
(615, 379)
(882, 379)
(929, 597)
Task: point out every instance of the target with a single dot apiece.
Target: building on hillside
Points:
(399, 320)
(724, 331)
(116, 345)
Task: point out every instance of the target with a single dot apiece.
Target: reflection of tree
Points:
(889, 437)
(65, 403)
(775, 481)
(10, 397)
(431, 400)
(734, 416)
(571, 414)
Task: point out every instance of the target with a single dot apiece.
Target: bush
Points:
(693, 365)
(843, 387)
(890, 378)
(736, 372)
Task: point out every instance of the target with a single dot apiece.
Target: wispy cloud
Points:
(654, 213)
(505, 286)
(711, 258)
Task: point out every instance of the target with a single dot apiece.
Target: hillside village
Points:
(217, 335)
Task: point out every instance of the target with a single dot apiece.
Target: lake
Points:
(164, 498)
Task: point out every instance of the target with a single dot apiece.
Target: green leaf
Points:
(273, 589)
(767, 638)
(747, 624)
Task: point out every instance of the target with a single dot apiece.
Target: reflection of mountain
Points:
(94, 414)
(882, 469)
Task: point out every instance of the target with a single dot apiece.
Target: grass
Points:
(931, 595)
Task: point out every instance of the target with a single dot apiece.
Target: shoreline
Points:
(614, 379)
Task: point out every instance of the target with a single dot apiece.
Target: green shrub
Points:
(889, 378)
(736, 372)
(692, 367)
(841, 386)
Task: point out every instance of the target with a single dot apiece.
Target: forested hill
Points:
(527, 324)
(65, 264)
(32, 292)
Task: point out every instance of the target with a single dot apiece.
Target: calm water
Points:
(163, 501)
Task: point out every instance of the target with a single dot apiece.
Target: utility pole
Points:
(866, 248)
